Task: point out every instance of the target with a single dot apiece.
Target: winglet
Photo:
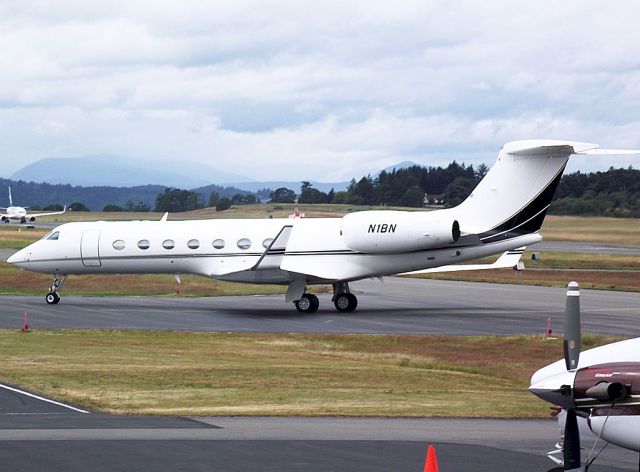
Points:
(10, 199)
(165, 216)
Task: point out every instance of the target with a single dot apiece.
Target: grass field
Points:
(146, 372)
(176, 373)
(611, 231)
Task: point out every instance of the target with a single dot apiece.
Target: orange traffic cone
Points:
(431, 464)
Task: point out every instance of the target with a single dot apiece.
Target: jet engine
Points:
(398, 231)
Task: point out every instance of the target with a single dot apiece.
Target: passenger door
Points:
(89, 248)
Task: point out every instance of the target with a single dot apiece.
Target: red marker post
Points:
(25, 326)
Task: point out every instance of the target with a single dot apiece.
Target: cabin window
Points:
(53, 236)
(193, 244)
(168, 244)
(144, 244)
(118, 244)
(244, 243)
(218, 243)
(267, 242)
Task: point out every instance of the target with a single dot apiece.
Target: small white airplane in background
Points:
(598, 391)
(502, 215)
(20, 213)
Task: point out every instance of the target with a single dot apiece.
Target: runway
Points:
(395, 306)
(37, 435)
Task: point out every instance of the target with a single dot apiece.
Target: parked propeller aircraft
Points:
(601, 385)
(503, 214)
(20, 213)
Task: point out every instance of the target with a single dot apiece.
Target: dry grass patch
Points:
(610, 231)
(279, 374)
(17, 237)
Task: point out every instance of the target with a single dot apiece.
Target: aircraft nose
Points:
(555, 389)
(20, 258)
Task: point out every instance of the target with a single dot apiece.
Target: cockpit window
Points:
(53, 236)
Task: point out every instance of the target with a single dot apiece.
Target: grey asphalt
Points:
(35, 435)
(394, 306)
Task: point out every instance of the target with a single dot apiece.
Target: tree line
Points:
(615, 192)
(413, 186)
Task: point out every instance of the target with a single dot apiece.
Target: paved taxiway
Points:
(37, 435)
(395, 306)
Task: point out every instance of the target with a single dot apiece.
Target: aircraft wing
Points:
(509, 259)
(49, 213)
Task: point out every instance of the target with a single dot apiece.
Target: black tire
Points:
(52, 298)
(315, 303)
(308, 303)
(346, 302)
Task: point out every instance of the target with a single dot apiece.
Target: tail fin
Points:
(514, 196)
(10, 199)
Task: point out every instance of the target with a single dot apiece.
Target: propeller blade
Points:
(571, 343)
(571, 449)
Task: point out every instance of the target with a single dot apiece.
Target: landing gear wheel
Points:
(52, 298)
(308, 303)
(346, 302)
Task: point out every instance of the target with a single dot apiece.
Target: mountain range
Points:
(106, 170)
(116, 171)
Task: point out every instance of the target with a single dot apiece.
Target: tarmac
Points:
(38, 435)
(394, 306)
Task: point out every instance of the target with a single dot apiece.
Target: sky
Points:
(292, 90)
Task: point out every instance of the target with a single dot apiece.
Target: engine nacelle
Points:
(398, 231)
(32, 219)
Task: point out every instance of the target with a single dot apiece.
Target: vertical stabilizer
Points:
(514, 196)
(10, 199)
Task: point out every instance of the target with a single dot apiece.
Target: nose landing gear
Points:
(52, 298)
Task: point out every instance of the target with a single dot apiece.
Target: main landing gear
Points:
(308, 303)
(343, 299)
(52, 297)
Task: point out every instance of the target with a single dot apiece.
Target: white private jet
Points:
(598, 391)
(20, 213)
(502, 215)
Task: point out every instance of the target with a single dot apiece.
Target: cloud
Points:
(303, 90)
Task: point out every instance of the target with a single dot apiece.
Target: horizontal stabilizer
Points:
(611, 152)
(509, 259)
